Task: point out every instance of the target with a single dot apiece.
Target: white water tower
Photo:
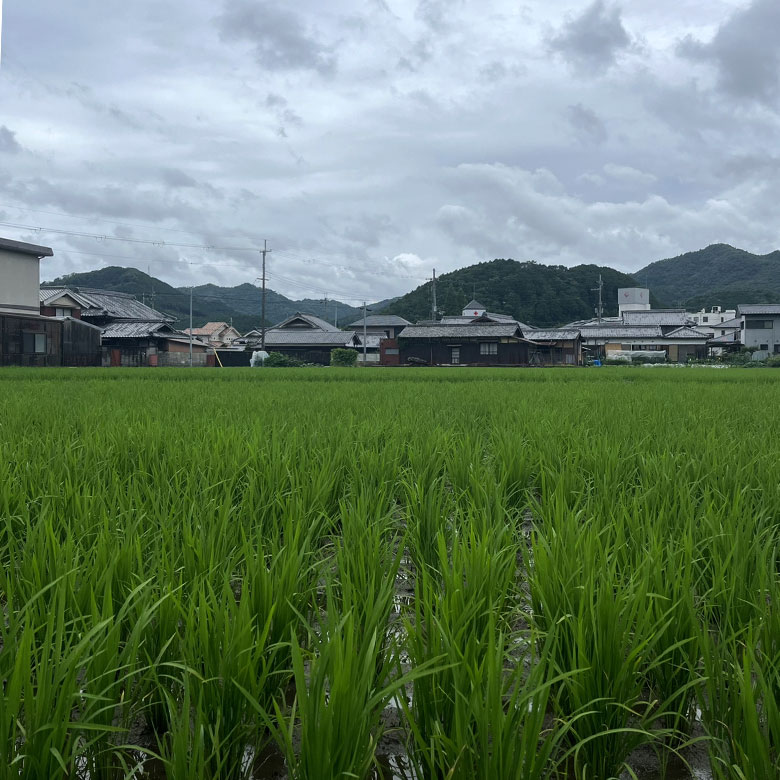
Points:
(633, 299)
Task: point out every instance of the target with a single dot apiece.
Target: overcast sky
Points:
(372, 141)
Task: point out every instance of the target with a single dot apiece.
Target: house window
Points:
(705, 319)
(777, 349)
(59, 312)
(723, 333)
(34, 343)
(763, 347)
(488, 348)
(455, 356)
(758, 324)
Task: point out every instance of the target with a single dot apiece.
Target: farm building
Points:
(304, 337)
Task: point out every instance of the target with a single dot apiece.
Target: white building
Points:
(20, 274)
(633, 299)
(713, 318)
(760, 327)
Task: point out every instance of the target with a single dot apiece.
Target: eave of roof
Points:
(22, 247)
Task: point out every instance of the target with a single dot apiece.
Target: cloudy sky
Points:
(371, 141)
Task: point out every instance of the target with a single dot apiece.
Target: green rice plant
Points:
(341, 692)
(229, 653)
(740, 703)
(452, 626)
(428, 514)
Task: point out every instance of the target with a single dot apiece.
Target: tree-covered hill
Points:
(240, 304)
(716, 275)
(541, 295)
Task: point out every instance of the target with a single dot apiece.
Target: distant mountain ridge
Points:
(240, 304)
(540, 295)
(719, 274)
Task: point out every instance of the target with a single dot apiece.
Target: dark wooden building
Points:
(33, 340)
(480, 344)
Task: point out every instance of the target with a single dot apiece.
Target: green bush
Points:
(278, 360)
(343, 357)
(773, 362)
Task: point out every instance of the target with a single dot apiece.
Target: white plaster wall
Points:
(19, 282)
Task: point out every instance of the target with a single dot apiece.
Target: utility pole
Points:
(190, 326)
(265, 250)
(364, 333)
(433, 295)
(335, 314)
(600, 309)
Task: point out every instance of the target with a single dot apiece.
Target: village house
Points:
(215, 334)
(28, 337)
(304, 337)
(477, 337)
(133, 334)
(760, 327)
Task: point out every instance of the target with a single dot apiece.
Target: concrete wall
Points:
(19, 283)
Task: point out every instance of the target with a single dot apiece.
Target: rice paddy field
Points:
(403, 573)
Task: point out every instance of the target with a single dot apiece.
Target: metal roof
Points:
(305, 337)
(136, 330)
(465, 331)
(106, 303)
(656, 317)
(758, 308)
(22, 247)
(380, 321)
(552, 334)
(472, 304)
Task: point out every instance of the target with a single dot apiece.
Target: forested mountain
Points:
(541, 295)
(241, 304)
(717, 275)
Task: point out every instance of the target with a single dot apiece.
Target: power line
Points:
(150, 242)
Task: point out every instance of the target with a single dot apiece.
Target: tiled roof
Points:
(136, 329)
(316, 323)
(106, 303)
(553, 334)
(473, 305)
(610, 331)
(380, 321)
(465, 331)
(656, 317)
(758, 308)
(304, 338)
(685, 333)
(208, 328)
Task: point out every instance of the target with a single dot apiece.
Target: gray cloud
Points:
(280, 39)
(744, 51)
(592, 40)
(483, 146)
(586, 123)
(8, 142)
